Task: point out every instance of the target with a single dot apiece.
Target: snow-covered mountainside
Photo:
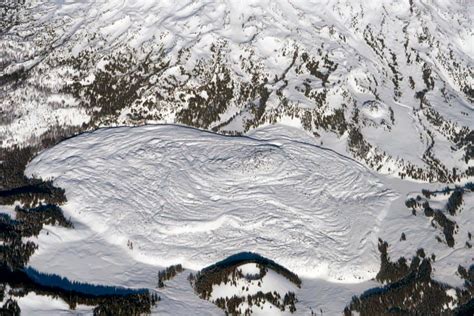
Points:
(250, 280)
(198, 157)
(389, 82)
(246, 283)
(160, 195)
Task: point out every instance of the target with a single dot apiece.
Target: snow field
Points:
(185, 196)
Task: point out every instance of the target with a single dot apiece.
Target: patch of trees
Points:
(466, 294)
(397, 77)
(394, 271)
(14, 251)
(357, 143)
(289, 300)
(31, 193)
(169, 273)
(13, 165)
(121, 83)
(108, 300)
(468, 276)
(219, 272)
(449, 227)
(203, 281)
(390, 271)
(323, 72)
(427, 77)
(376, 43)
(335, 122)
(126, 305)
(455, 200)
(56, 281)
(231, 305)
(468, 143)
(10, 308)
(409, 290)
(43, 214)
(203, 111)
(468, 187)
(14, 160)
(228, 271)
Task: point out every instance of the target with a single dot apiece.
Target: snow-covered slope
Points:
(374, 91)
(368, 73)
(198, 196)
(146, 197)
(249, 281)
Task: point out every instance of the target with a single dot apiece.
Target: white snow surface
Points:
(271, 282)
(39, 305)
(187, 196)
(100, 171)
(380, 48)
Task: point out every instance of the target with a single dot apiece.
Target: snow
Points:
(178, 298)
(9, 210)
(255, 38)
(376, 111)
(420, 233)
(39, 305)
(183, 195)
(271, 282)
(198, 196)
(191, 197)
(117, 28)
(249, 269)
(453, 295)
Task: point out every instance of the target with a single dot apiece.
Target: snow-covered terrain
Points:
(196, 197)
(182, 195)
(247, 285)
(363, 71)
(301, 130)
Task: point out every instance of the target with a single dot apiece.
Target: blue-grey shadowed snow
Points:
(25, 190)
(6, 219)
(251, 257)
(57, 281)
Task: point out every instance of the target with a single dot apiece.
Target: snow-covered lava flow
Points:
(184, 195)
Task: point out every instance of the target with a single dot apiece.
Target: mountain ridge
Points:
(231, 68)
